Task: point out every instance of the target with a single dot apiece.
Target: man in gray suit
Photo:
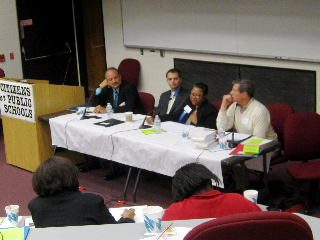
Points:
(172, 102)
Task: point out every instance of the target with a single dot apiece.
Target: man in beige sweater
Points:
(247, 114)
(241, 110)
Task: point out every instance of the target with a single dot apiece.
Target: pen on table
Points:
(164, 231)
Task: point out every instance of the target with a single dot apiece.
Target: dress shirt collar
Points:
(175, 92)
(241, 111)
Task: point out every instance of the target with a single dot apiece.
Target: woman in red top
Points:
(196, 198)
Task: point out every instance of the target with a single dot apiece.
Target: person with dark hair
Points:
(172, 101)
(240, 109)
(60, 203)
(196, 198)
(122, 95)
(198, 111)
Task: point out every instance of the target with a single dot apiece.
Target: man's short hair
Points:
(246, 85)
(191, 178)
(174, 70)
(112, 68)
(203, 87)
(55, 175)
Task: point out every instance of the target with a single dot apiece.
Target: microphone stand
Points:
(85, 109)
(146, 126)
(232, 144)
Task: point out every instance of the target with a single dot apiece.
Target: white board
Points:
(288, 29)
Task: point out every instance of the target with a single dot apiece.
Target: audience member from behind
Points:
(198, 111)
(195, 197)
(60, 203)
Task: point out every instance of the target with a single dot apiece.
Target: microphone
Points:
(146, 126)
(85, 109)
(232, 144)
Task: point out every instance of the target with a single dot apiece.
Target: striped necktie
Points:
(115, 98)
(170, 104)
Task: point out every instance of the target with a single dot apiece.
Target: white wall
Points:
(9, 39)
(154, 67)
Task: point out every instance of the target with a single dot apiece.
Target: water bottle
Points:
(109, 111)
(222, 138)
(157, 124)
(221, 132)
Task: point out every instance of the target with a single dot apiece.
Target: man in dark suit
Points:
(171, 102)
(122, 95)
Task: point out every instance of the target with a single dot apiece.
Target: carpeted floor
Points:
(16, 187)
(154, 189)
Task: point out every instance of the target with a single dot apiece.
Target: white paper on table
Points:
(116, 212)
(6, 223)
(181, 232)
(175, 127)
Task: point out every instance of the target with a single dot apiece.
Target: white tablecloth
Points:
(124, 143)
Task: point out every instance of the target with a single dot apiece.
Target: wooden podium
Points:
(29, 144)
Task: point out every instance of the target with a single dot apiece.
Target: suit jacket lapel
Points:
(178, 99)
(121, 94)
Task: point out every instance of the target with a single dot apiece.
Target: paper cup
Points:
(185, 134)
(12, 213)
(128, 116)
(152, 218)
(251, 195)
(81, 110)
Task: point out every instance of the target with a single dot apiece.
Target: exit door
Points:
(49, 49)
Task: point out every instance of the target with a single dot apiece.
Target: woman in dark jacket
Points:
(60, 203)
(198, 111)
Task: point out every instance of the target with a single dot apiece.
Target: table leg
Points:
(243, 176)
(265, 169)
(54, 150)
(126, 186)
(136, 186)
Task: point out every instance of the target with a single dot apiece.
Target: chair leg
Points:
(136, 186)
(311, 198)
(313, 188)
(283, 203)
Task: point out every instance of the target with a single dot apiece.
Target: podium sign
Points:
(16, 100)
(28, 140)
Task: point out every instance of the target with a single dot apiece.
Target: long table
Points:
(132, 231)
(124, 143)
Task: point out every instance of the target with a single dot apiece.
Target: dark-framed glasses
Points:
(195, 95)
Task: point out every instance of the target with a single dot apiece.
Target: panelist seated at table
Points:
(122, 95)
(196, 198)
(60, 203)
(240, 109)
(171, 102)
(197, 109)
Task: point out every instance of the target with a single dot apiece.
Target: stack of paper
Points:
(240, 151)
(204, 139)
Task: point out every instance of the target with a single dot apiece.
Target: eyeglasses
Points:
(195, 95)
